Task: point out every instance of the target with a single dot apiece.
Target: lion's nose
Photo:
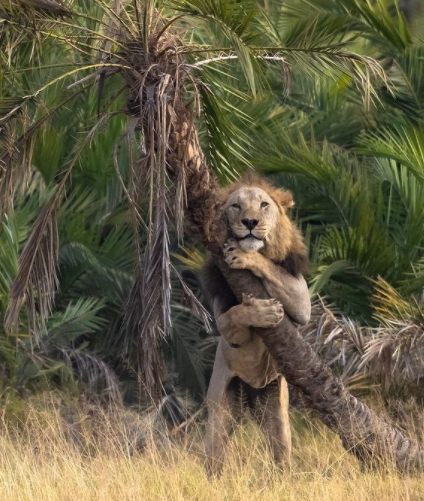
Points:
(250, 223)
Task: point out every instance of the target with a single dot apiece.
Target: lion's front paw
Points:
(263, 313)
(238, 259)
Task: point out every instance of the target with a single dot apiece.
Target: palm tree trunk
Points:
(410, 9)
(361, 430)
(203, 213)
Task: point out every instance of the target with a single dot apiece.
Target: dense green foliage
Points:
(325, 96)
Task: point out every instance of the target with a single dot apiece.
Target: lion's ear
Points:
(285, 198)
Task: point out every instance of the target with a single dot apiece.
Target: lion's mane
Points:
(285, 246)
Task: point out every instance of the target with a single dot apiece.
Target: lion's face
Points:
(256, 213)
(252, 216)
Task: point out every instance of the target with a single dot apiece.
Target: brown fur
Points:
(285, 246)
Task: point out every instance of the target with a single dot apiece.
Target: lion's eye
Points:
(264, 204)
(236, 206)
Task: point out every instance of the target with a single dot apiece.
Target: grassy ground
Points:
(52, 453)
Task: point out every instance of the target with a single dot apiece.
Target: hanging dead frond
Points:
(51, 7)
(37, 280)
(16, 155)
(195, 306)
(15, 163)
(156, 291)
(156, 91)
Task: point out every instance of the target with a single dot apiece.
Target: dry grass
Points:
(55, 453)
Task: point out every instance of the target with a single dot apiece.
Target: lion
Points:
(261, 238)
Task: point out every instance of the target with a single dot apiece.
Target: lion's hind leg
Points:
(270, 409)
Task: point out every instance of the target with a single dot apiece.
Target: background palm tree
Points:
(411, 10)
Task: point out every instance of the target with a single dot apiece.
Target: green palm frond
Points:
(406, 76)
(403, 146)
(375, 20)
(235, 21)
(78, 319)
(193, 258)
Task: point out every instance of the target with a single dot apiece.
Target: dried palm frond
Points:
(37, 279)
(15, 164)
(16, 150)
(36, 282)
(193, 303)
(390, 354)
(396, 347)
(52, 7)
(97, 376)
(339, 341)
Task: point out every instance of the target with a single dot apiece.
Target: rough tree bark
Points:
(362, 432)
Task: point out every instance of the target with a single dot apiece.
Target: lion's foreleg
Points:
(235, 324)
(220, 419)
(291, 291)
(232, 325)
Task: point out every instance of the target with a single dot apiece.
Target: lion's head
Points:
(256, 213)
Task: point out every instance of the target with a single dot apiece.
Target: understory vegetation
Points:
(326, 98)
(67, 450)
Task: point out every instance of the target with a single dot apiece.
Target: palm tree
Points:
(410, 9)
(148, 65)
(165, 71)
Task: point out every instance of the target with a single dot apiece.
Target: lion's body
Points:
(264, 241)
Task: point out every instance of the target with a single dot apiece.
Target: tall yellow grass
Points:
(53, 453)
